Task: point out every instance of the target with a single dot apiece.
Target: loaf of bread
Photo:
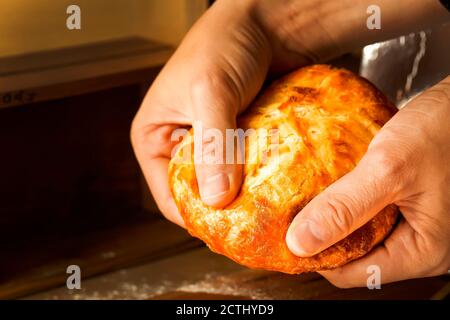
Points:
(325, 119)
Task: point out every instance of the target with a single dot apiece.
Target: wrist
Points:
(321, 29)
(308, 28)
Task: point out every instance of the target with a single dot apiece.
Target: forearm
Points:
(328, 28)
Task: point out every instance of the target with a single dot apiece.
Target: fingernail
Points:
(305, 239)
(215, 187)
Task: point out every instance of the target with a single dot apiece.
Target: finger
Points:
(156, 175)
(394, 261)
(154, 164)
(218, 171)
(345, 205)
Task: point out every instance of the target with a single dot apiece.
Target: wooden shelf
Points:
(200, 274)
(76, 70)
(142, 238)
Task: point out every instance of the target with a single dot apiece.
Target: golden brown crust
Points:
(325, 118)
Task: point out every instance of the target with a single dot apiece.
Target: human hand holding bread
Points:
(212, 79)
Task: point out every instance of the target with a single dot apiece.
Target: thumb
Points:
(346, 205)
(217, 156)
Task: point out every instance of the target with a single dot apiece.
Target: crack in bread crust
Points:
(325, 118)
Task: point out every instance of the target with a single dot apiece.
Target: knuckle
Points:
(201, 83)
(213, 91)
(388, 167)
(387, 163)
(136, 135)
(144, 139)
(439, 93)
(340, 214)
(140, 131)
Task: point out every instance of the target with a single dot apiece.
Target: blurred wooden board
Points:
(81, 54)
(201, 274)
(76, 70)
(95, 251)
